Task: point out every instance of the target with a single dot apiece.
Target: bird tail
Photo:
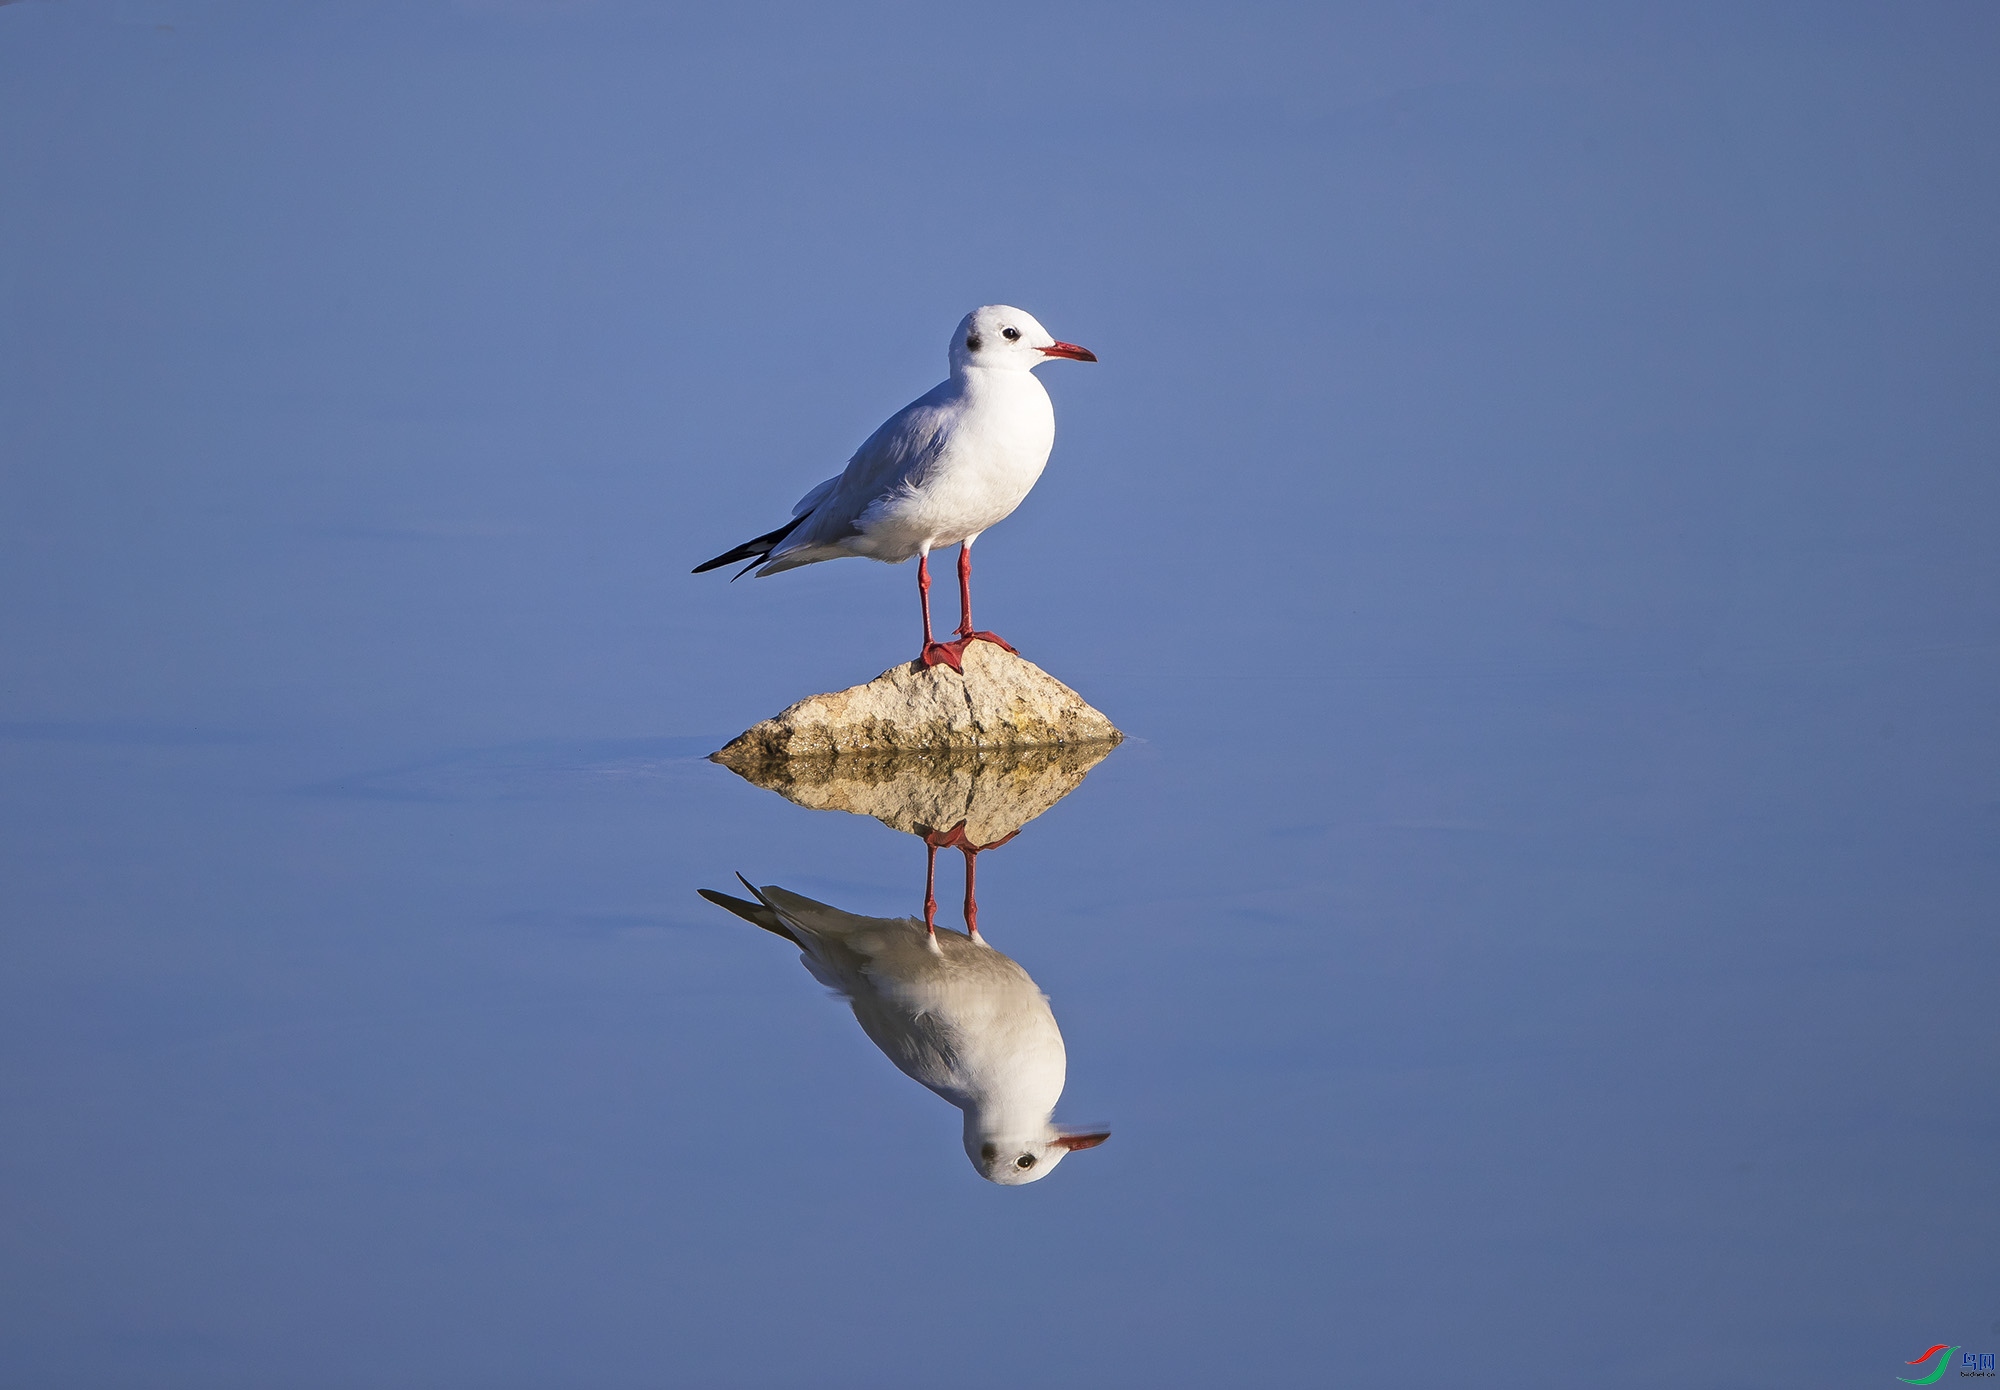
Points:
(758, 914)
(756, 551)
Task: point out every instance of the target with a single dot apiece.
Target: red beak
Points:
(1081, 354)
(1073, 1142)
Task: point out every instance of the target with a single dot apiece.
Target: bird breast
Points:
(993, 456)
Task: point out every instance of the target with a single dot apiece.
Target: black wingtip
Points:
(756, 550)
(759, 913)
(730, 557)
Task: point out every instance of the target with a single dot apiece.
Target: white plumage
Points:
(939, 472)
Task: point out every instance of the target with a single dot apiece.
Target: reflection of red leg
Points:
(930, 890)
(954, 838)
(972, 893)
(965, 629)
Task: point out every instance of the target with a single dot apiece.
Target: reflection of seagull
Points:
(938, 472)
(951, 1012)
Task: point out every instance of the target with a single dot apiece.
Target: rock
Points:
(991, 793)
(1000, 702)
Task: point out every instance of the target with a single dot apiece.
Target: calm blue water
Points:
(1533, 519)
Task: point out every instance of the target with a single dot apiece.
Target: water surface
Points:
(1533, 520)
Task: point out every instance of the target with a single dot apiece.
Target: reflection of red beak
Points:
(1069, 350)
(1073, 1142)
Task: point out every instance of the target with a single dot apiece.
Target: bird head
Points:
(1012, 1162)
(1008, 338)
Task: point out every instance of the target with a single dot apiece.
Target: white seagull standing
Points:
(938, 472)
(952, 1013)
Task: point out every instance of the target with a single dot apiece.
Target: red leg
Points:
(934, 652)
(924, 595)
(965, 591)
(965, 630)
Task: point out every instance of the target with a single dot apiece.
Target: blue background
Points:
(1535, 515)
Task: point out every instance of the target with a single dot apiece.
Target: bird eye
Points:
(1010, 334)
(972, 343)
(1025, 1161)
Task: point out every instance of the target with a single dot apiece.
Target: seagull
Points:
(937, 473)
(951, 1012)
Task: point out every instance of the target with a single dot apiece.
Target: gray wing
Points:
(817, 495)
(894, 459)
(845, 950)
(923, 1046)
(871, 960)
(890, 977)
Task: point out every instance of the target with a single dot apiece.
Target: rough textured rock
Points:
(991, 793)
(1000, 702)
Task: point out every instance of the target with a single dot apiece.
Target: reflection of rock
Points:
(994, 793)
(1000, 702)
